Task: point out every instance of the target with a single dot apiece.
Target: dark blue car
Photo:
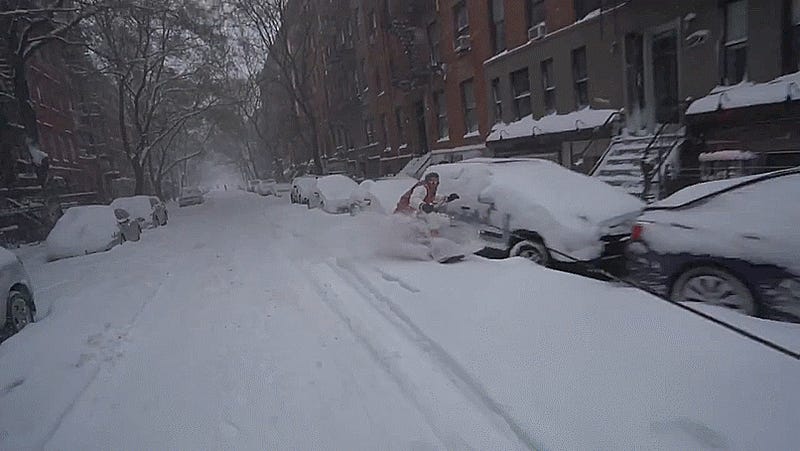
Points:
(733, 243)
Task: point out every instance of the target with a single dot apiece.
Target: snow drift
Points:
(83, 230)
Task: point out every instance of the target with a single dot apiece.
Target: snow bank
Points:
(83, 230)
(694, 192)
(7, 258)
(569, 210)
(745, 94)
(382, 195)
(744, 223)
(334, 192)
(137, 206)
(580, 364)
(584, 119)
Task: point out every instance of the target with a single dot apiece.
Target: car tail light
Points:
(636, 231)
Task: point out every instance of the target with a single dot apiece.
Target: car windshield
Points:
(399, 224)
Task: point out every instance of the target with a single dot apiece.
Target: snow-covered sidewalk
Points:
(248, 323)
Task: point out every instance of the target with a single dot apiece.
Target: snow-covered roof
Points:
(727, 155)
(584, 119)
(745, 94)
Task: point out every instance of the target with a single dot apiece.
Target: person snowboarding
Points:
(422, 201)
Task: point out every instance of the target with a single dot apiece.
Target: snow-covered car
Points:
(332, 193)
(251, 185)
(733, 243)
(541, 211)
(191, 196)
(267, 188)
(88, 229)
(17, 308)
(148, 210)
(380, 195)
(302, 188)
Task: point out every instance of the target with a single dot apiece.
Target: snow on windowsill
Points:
(474, 134)
(443, 140)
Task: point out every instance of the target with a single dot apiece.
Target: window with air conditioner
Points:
(535, 18)
(521, 89)
(735, 42)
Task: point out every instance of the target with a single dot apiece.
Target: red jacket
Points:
(404, 206)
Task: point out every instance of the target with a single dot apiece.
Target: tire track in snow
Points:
(468, 384)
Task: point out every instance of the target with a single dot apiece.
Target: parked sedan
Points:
(267, 188)
(88, 229)
(17, 308)
(541, 211)
(732, 243)
(332, 193)
(191, 196)
(302, 188)
(148, 210)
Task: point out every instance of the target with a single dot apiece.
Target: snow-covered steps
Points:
(621, 164)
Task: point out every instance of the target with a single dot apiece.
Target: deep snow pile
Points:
(382, 194)
(334, 192)
(586, 118)
(83, 230)
(137, 206)
(569, 210)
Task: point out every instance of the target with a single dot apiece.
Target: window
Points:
(372, 25)
(369, 131)
(434, 39)
(580, 77)
(735, 42)
(385, 127)
(795, 36)
(441, 115)
(497, 100)
(362, 78)
(470, 109)
(535, 12)
(521, 88)
(548, 86)
(460, 21)
(498, 26)
(400, 122)
(378, 83)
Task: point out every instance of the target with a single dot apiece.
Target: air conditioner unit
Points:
(463, 43)
(537, 31)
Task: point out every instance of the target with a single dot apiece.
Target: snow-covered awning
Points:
(727, 155)
(745, 94)
(584, 119)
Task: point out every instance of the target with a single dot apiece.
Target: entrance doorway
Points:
(652, 77)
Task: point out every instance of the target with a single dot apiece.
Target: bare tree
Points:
(26, 26)
(167, 58)
(284, 30)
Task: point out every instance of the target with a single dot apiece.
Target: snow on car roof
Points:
(336, 186)
(703, 190)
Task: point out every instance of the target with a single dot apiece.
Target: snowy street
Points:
(250, 323)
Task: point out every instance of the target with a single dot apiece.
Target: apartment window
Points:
(498, 26)
(434, 39)
(362, 78)
(460, 21)
(378, 82)
(369, 131)
(400, 122)
(521, 88)
(535, 12)
(580, 77)
(795, 35)
(440, 105)
(548, 86)
(497, 100)
(372, 25)
(735, 42)
(470, 109)
(385, 127)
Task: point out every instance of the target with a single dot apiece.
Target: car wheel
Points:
(532, 250)
(165, 218)
(716, 287)
(19, 312)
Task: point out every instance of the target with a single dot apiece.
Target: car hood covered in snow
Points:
(569, 210)
(83, 230)
(137, 206)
